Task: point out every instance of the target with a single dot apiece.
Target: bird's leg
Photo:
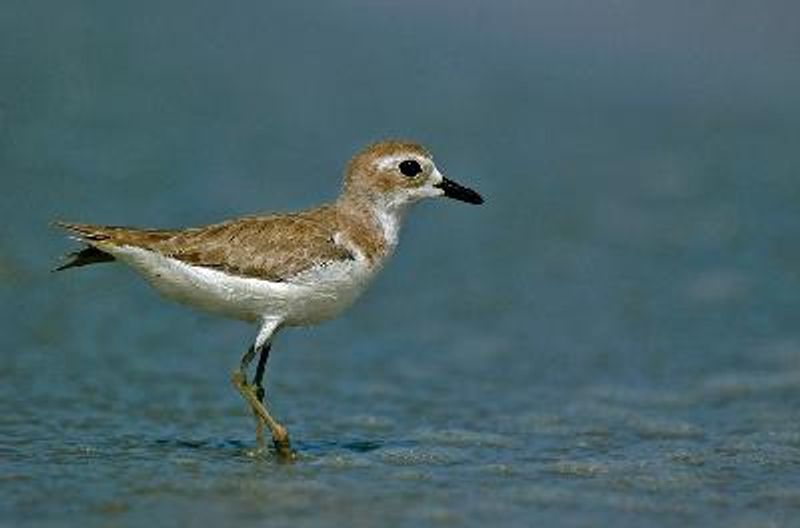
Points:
(243, 364)
(280, 437)
(262, 363)
(257, 382)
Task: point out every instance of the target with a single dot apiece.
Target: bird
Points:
(280, 270)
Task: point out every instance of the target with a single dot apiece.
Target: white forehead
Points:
(391, 161)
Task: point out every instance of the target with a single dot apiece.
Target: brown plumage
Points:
(270, 247)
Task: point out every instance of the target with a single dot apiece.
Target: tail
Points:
(87, 255)
(98, 239)
(84, 257)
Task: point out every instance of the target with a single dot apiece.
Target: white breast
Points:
(313, 296)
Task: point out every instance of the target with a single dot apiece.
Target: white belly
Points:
(313, 296)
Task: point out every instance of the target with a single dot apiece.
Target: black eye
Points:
(409, 168)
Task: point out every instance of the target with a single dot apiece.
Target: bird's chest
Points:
(325, 291)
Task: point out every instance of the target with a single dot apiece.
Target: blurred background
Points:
(611, 338)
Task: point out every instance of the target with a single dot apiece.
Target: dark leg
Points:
(247, 358)
(257, 383)
(262, 363)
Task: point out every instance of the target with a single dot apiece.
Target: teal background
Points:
(612, 339)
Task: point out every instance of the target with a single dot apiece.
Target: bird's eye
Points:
(409, 167)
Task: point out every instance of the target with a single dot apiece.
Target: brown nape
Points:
(84, 257)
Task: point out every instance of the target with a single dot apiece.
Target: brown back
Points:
(271, 247)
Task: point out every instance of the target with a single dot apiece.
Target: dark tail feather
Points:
(84, 257)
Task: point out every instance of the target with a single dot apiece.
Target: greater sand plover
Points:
(281, 270)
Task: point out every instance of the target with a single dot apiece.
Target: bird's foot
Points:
(280, 436)
(283, 446)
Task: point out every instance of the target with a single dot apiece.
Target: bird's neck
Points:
(382, 216)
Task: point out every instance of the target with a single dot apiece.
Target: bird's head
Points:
(394, 174)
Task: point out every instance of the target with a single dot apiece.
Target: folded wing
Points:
(274, 248)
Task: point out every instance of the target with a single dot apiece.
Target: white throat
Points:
(390, 217)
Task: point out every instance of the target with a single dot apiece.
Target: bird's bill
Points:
(459, 192)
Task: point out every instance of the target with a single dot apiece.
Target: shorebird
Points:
(280, 270)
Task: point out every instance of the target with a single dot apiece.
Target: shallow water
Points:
(612, 339)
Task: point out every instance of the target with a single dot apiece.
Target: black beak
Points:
(458, 192)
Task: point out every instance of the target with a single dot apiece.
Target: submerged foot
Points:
(280, 436)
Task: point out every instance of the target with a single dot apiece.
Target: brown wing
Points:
(117, 235)
(267, 247)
